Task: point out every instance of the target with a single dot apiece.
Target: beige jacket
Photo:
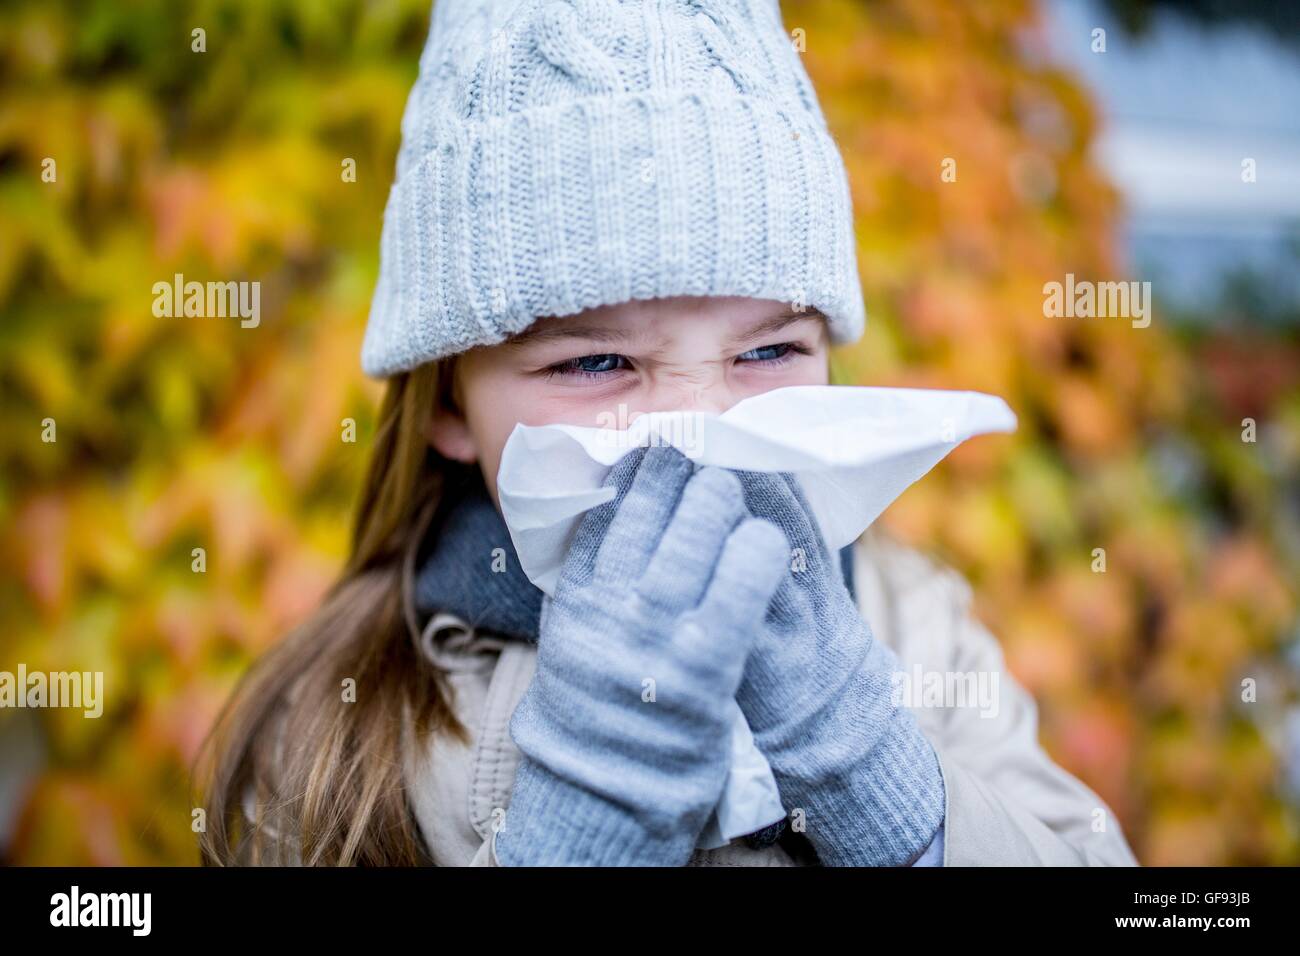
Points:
(1007, 802)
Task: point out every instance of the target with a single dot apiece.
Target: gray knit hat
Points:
(559, 155)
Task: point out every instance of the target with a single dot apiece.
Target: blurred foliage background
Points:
(180, 433)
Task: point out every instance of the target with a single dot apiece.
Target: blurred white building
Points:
(1185, 105)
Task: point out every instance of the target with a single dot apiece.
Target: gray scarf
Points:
(465, 574)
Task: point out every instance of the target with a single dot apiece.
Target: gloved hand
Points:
(818, 693)
(666, 583)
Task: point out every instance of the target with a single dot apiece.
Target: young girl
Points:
(620, 206)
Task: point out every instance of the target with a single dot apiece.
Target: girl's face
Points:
(613, 363)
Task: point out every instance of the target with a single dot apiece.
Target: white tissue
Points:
(853, 449)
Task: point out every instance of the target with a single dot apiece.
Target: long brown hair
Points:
(291, 770)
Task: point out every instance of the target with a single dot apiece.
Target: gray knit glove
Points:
(818, 694)
(666, 583)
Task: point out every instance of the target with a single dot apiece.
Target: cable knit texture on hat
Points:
(559, 155)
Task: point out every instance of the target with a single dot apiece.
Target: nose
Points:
(691, 391)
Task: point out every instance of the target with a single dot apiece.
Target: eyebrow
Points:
(774, 324)
(552, 333)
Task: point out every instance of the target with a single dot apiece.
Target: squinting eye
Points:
(771, 353)
(596, 363)
(591, 365)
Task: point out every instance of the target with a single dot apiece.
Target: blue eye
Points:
(590, 366)
(597, 363)
(770, 353)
